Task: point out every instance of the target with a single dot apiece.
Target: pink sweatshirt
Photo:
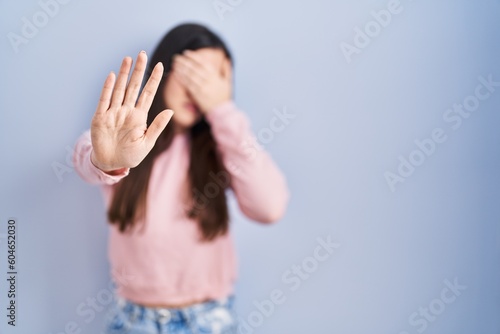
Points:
(163, 262)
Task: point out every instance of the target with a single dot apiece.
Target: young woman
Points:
(164, 177)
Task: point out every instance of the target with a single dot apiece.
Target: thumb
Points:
(159, 123)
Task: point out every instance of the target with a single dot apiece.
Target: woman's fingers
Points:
(107, 91)
(189, 75)
(159, 123)
(121, 83)
(190, 67)
(149, 91)
(136, 79)
(192, 80)
(196, 61)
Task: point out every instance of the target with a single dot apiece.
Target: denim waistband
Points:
(164, 315)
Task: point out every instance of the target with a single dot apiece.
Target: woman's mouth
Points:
(191, 107)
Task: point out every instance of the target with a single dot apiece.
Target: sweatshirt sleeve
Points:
(86, 169)
(258, 184)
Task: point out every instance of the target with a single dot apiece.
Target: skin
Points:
(119, 133)
(200, 81)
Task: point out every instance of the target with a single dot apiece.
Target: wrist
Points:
(110, 171)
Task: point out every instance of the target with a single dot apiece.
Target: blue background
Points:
(353, 120)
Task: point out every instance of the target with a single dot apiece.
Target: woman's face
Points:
(177, 98)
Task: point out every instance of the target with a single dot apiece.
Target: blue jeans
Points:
(211, 317)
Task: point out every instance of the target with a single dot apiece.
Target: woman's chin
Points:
(186, 122)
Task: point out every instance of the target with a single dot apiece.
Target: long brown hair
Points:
(130, 194)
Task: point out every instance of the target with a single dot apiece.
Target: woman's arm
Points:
(119, 138)
(258, 184)
(260, 187)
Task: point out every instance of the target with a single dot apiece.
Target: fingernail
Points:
(143, 51)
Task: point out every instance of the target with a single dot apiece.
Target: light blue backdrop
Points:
(363, 88)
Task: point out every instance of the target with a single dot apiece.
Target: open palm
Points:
(119, 132)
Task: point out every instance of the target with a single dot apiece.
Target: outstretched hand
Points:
(119, 132)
